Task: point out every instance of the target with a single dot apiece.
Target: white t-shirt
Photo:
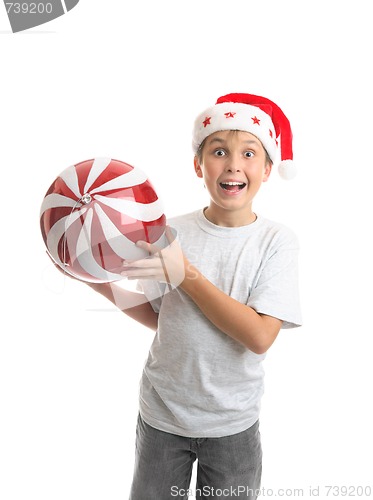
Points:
(198, 381)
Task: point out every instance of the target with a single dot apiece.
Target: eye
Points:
(219, 152)
(248, 154)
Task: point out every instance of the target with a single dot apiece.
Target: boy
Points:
(233, 280)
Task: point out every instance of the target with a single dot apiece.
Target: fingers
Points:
(140, 276)
(143, 272)
(161, 265)
(150, 262)
(149, 247)
(153, 249)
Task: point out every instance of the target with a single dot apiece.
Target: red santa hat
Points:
(257, 115)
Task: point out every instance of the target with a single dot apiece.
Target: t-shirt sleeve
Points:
(276, 292)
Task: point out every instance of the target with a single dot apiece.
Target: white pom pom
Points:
(287, 170)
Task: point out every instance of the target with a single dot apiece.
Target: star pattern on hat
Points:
(255, 120)
(207, 121)
(229, 114)
(272, 136)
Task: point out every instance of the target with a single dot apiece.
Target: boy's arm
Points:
(241, 322)
(131, 303)
(134, 305)
(255, 331)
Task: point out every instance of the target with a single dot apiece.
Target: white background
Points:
(126, 79)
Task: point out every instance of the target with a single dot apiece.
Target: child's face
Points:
(233, 157)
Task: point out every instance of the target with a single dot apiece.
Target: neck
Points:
(227, 218)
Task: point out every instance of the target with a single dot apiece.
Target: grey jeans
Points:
(228, 467)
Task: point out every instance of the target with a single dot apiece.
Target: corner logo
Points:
(25, 14)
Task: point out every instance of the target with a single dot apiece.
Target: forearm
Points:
(239, 321)
(132, 304)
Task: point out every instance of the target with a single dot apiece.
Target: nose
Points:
(232, 166)
(232, 169)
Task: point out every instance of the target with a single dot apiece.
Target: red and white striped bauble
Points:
(94, 213)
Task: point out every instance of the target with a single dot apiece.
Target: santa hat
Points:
(257, 115)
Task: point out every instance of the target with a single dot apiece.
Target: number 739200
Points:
(29, 8)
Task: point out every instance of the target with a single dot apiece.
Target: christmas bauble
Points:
(94, 213)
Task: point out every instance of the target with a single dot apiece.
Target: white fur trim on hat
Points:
(236, 116)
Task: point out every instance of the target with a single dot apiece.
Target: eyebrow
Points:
(222, 141)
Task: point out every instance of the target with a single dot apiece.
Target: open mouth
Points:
(232, 187)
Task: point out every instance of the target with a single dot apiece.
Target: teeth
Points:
(233, 183)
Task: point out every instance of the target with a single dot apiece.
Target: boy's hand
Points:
(166, 265)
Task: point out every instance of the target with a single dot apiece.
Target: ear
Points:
(267, 171)
(197, 167)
